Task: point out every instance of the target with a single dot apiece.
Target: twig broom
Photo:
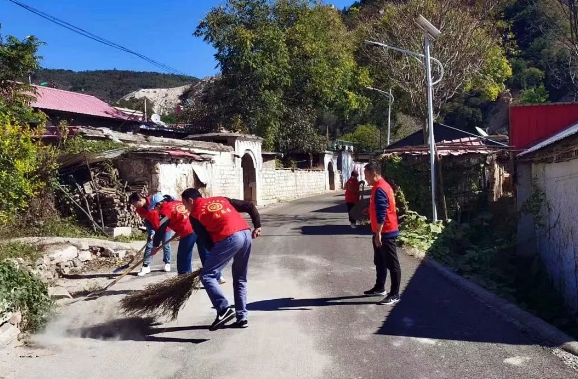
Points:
(162, 299)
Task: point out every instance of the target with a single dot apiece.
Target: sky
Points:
(161, 30)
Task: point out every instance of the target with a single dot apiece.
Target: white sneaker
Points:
(222, 280)
(167, 267)
(353, 226)
(144, 270)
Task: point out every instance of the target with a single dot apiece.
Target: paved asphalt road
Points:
(307, 320)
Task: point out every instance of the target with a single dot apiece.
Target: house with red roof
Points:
(79, 109)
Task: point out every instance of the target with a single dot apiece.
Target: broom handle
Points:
(134, 256)
(128, 271)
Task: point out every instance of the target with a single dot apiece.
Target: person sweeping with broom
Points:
(152, 220)
(176, 217)
(218, 222)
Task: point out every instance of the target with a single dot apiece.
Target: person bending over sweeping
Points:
(383, 218)
(217, 220)
(176, 217)
(151, 217)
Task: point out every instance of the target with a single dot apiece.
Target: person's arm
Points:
(150, 229)
(203, 236)
(160, 232)
(381, 205)
(247, 207)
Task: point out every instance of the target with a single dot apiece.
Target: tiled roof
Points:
(73, 102)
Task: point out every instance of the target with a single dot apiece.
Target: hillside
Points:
(109, 85)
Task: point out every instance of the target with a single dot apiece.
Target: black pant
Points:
(349, 208)
(385, 258)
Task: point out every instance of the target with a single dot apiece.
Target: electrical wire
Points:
(96, 38)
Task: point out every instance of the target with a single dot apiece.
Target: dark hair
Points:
(134, 197)
(191, 193)
(371, 168)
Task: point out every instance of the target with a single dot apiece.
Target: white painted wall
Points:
(557, 241)
(286, 184)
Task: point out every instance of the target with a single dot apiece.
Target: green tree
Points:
(469, 48)
(17, 60)
(277, 57)
(534, 95)
(366, 138)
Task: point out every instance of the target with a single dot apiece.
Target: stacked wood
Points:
(105, 197)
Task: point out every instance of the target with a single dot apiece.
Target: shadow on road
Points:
(133, 329)
(329, 230)
(340, 207)
(434, 308)
(292, 304)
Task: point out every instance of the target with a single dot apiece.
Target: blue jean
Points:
(185, 254)
(148, 250)
(238, 248)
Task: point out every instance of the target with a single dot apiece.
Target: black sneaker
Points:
(375, 292)
(241, 324)
(389, 300)
(222, 319)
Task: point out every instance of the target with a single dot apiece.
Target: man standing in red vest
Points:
(383, 218)
(219, 224)
(352, 195)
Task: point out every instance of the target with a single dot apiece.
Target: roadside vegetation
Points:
(484, 251)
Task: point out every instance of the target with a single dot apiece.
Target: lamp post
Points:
(430, 32)
(391, 100)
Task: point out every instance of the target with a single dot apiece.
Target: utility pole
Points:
(145, 110)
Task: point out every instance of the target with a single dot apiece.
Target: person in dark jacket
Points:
(383, 218)
(219, 224)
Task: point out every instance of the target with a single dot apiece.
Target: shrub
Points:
(21, 291)
(19, 164)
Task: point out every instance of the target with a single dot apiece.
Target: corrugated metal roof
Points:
(555, 138)
(73, 102)
(461, 146)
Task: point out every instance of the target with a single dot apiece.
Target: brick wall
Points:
(286, 184)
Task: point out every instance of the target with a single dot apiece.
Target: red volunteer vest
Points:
(151, 216)
(390, 223)
(178, 217)
(219, 217)
(352, 191)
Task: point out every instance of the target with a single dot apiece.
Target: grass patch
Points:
(61, 227)
(28, 252)
(21, 291)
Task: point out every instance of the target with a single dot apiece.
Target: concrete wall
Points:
(558, 238)
(172, 177)
(526, 230)
(287, 184)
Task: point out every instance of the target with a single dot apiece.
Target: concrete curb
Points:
(509, 311)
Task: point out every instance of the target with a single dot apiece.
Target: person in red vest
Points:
(151, 220)
(383, 218)
(218, 222)
(352, 195)
(174, 215)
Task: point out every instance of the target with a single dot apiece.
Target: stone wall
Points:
(287, 184)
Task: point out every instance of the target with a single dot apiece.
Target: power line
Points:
(96, 38)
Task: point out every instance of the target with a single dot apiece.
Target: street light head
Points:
(427, 26)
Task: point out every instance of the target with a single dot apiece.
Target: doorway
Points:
(249, 178)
